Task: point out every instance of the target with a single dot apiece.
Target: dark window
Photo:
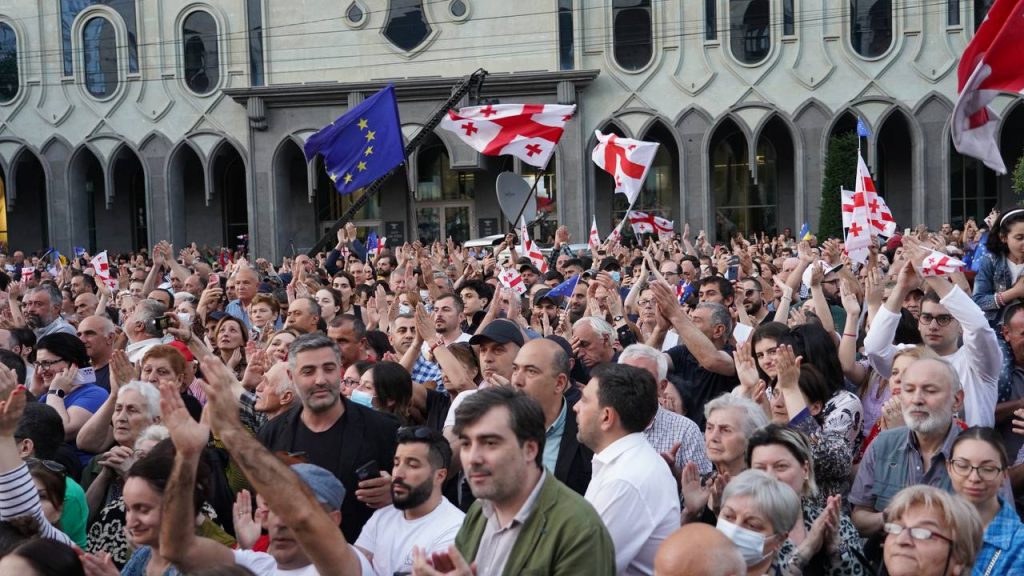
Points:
(457, 8)
(980, 11)
(69, 10)
(254, 13)
(788, 19)
(99, 48)
(953, 12)
(354, 13)
(871, 26)
(406, 26)
(566, 59)
(202, 57)
(751, 35)
(711, 19)
(972, 189)
(631, 33)
(8, 63)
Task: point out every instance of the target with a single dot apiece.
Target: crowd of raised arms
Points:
(762, 405)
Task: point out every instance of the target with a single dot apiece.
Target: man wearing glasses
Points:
(753, 302)
(948, 317)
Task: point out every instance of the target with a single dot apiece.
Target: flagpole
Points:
(533, 190)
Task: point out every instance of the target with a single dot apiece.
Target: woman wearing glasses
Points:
(930, 532)
(977, 469)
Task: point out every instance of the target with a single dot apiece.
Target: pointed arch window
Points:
(632, 36)
(406, 26)
(9, 80)
(871, 26)
(99, 55)
(201, 55)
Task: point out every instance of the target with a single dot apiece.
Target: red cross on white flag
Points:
(27, 272)
(532, 250)
(939, 264)
(627, 160)
(510, 278)
(102, 267)
(595, 236)
(527, 131)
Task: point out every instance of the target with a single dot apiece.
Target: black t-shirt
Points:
(103, 377)
(695, 384)
(438, 404)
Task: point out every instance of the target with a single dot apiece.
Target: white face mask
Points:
(750, 543)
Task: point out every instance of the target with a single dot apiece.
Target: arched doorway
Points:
(129, 203)
(742, 204)
(1011, 145)
(893, 170)
(846, 123)
(296, 227)
(187, 186)
(229, 192)
(87, 183)
(776, 177)
(27, 224)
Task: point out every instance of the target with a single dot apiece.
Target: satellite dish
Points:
(513, 191)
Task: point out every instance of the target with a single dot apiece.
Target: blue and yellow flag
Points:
(805, 232)
(363, 144)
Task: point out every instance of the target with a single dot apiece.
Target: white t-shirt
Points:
(263, 564)
(390, 537)
(449, 420)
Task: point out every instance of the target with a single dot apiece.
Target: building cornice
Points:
(497, 85)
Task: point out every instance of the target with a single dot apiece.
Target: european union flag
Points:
(805, 232)
(79, 251)
(371, 244)
(363, 144)
(565, 289)
(862, 129)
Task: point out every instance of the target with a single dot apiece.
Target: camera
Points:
(158, 324)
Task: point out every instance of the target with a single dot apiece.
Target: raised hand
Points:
(695, 495)
(788, 366)
(248, 527)
(221, 403)
(746, 368)
(189, 436)
(13, 403)
(849, 297)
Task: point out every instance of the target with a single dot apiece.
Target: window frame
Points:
(218, 26)
(611, 38)
(81, 76)
(17, 64)
(772, 13)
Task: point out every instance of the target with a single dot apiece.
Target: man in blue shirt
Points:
(246, 283)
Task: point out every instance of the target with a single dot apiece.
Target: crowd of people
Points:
(762, 405)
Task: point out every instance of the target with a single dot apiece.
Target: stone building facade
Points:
(124, 122)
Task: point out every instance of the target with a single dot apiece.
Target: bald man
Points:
(699, 549)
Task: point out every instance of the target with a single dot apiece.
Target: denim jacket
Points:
(993, 277)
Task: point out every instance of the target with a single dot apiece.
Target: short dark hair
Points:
(631, 392)
(723, 285)
(357, 324)
(90, 282)
(440, 454)
(525, 416)
(392, 383)
(65, 346)
(482, 289)
(379, 342)
(23, 337)
(42, 425)
(459, 305)
(931, 296)
(47, 556)
(14, 362)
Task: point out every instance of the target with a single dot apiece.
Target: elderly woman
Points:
(731, 421)
(757, 514)
(64, 384)
(930, 532)
(978, 468)
(821, 539)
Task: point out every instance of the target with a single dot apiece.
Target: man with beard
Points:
(41, 306)
(524, 520)
(578, 300)
(917, 453)
(948, 317)
(419, 515)
(332, 432)
(753, 302)
(447, 318)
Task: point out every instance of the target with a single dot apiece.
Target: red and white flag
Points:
(532, 250)
(595, 236)
(644, 223)
(527, 131)
(879, 216)
(993, 62)
(510, 278)
(616, 235)
(102, 267)
(939, 264)
(27, 272)
(664, 227)
(627, 160)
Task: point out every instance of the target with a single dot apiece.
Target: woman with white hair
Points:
(731, 421)
(757, 514)
(930, 532)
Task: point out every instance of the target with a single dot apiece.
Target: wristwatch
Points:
(58, 393)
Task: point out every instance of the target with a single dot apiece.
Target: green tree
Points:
(840, 172)
(1017, 182)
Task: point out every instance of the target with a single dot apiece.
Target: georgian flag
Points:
(595, 236)
(664, 227)
(939, 264)
(510, 278)
(527, 131)
(27, 272)
(627, 160)
(102, 267)
(644, 223)
(532, 250)
(616, 235)
(993, 62)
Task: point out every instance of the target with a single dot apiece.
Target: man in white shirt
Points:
(304, 501)
(632, 488)
(142, 331)
(419, 515)
(948, 315)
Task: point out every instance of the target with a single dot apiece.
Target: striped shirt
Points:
(19, 498)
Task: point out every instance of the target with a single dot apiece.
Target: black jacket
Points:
(368, 435)
(573, 467)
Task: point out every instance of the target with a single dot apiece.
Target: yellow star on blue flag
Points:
(363, 144)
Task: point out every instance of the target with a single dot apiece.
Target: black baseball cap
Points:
(500, 331)
(542, 294)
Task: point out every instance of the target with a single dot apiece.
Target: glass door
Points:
(436, 222)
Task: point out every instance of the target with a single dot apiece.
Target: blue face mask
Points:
(616, 275)
(363, 398)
